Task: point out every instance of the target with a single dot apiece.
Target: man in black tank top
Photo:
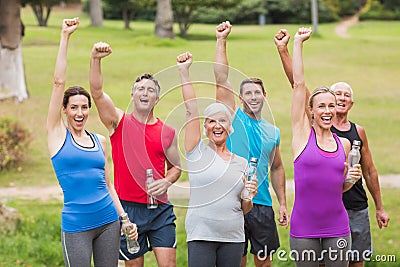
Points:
(355, 199)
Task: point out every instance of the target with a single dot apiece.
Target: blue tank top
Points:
(318, 209)
(255, 138)
(80, 173)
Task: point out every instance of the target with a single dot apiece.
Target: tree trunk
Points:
(126, 17)
(96, 13)
(164, 20)
(12, 77)
(39, 9)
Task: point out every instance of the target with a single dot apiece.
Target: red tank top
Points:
(135, 148)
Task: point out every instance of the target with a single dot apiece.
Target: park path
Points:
(179, 190)
(341, 28)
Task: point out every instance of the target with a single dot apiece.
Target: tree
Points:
(12, 77)
(96, 13)
(128, 8)
(41, 9)
(164, 20)
(184, 9)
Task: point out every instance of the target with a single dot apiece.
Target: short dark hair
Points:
(75, 90)
(252, 80)
(150, 77)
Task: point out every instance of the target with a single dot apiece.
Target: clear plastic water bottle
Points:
(151, 201)
(131, 244)
(251, 172)
(354, 155)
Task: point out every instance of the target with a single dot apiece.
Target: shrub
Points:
(14, 142)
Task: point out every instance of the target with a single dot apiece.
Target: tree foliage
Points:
(126, 8)
(276, 11)
(14, 142)
(41, 9)
(185, 9)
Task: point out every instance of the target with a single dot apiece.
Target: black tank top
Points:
(356, 197)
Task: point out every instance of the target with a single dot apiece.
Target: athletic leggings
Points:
(309, 252)
(103, 241)
(210, 254)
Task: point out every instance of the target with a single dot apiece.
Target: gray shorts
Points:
(360, 234)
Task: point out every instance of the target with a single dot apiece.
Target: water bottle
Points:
(354, 156)
(151, 201)
(251, 172)
(131, 244)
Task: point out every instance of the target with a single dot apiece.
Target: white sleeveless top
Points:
(214, 212)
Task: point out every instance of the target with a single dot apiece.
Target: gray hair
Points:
(215, 108)
(333, 88)
(150, 77)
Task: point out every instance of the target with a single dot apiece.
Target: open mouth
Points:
(253, 104)
(218, 133)
(326, 119)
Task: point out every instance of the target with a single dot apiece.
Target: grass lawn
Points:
(37, 240)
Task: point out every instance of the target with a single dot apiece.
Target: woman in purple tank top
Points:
(319, 224)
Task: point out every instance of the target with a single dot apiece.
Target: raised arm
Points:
(109, 114)
(300, 122)
(224, 92)
(55, 126)
(281, 40)
(371, 179)
(192, 133)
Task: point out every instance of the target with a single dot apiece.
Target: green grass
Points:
(37, 239)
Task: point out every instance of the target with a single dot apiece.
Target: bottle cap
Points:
(149, 171)
(255, 160)
(356, 143)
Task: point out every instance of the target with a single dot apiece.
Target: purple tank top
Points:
(318, 209)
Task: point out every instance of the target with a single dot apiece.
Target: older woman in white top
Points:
(214, 221)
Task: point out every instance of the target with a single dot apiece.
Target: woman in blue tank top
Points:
(319, 224)
(90, 225)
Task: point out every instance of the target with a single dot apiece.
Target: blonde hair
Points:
(318, 91)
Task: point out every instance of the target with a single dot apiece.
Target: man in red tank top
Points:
(140, 141)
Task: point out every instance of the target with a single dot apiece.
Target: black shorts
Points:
(260, 229)
(156, 227)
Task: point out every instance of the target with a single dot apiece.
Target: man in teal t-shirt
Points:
(253, 137)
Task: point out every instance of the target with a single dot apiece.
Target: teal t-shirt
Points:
(255, 138)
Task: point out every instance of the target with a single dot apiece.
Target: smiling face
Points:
(252, 97)
(323, 109)
(145, 95)
(77, 112)
(344, 98)
(216, 127)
